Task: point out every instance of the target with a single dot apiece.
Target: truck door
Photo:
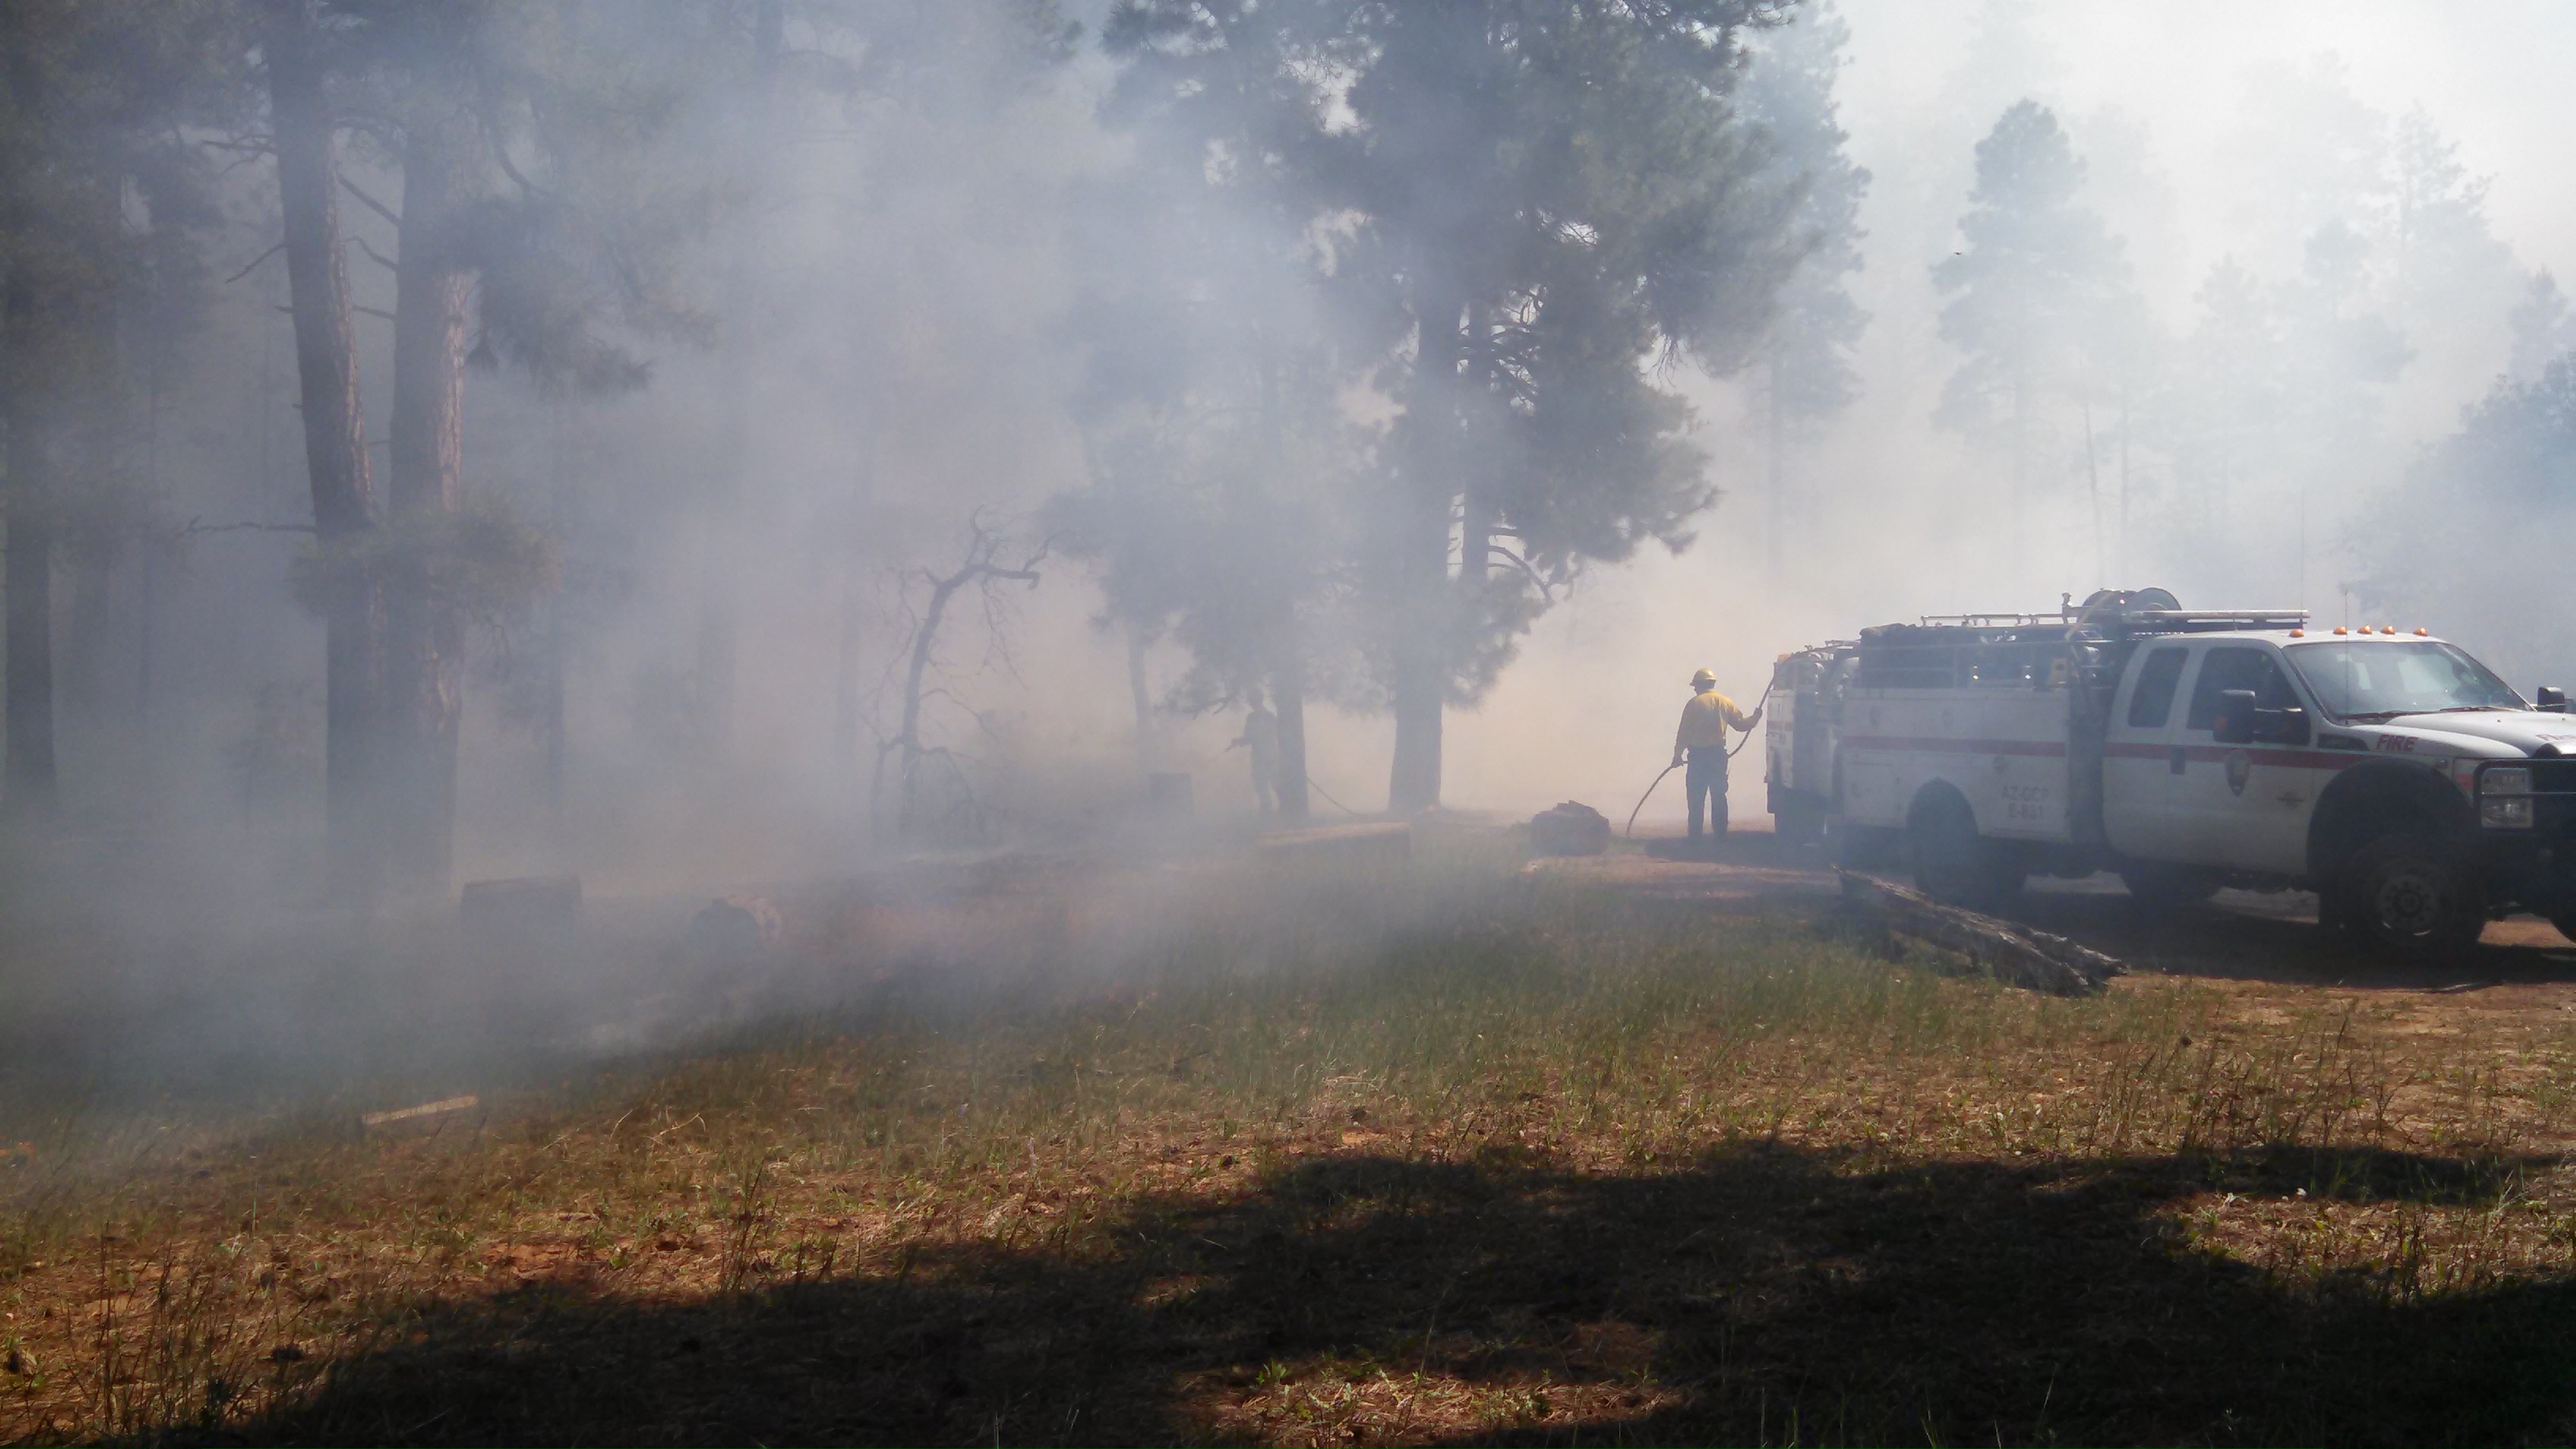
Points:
(2137, 754)
(2242, 805)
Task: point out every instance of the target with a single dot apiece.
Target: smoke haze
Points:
(2332, 223)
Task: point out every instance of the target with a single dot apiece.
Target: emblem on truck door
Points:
(2240, 768)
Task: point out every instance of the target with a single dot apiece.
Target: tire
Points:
(2411, 898)
(2165, 889)
(1952, 863)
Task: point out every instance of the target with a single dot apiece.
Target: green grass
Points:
(1319, 1156)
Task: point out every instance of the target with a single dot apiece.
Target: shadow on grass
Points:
(2247, 937)
(2242, 936)
(1723, 1303)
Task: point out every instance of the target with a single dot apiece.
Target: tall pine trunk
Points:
(335, 431)
(719, 560)
(27, 785)
(1286, 642)
(1777, 421)
(1142, 699)
(1288, 692)
(1421, 561)
(1477, 517)
(424, 634)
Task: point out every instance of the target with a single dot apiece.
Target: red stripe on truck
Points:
(2260, 754)
(2116, 749)
(2045, 749)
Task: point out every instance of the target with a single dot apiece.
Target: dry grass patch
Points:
(1429, 1158)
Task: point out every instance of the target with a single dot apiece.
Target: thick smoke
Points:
(919, 281)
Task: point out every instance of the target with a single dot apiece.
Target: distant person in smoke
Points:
(1261, 736)
(1702, 741)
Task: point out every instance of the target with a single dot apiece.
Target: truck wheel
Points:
(1952, 863)
(2408, 896)
(2166, 888)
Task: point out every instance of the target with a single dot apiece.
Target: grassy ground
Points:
(1426, 1154)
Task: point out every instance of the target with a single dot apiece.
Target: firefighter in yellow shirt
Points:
(1702, 740)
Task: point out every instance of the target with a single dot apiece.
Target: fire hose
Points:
(1630, 832)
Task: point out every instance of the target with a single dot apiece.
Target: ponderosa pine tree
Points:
(1526, 202)
(1211, 406)
(536, 227)
(1805, 370)
(93, 98)
(2027, 292)
(2544, 328)
(1543, 195)
(2338, 355)
(2474, 532)
(296, 48)
(2219, 418)
(2446, 263)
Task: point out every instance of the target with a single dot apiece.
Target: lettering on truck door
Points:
(2245, 805)
(2138, 758)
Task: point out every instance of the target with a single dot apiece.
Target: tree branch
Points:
(501, 154)
(254, 264)
(378, 207)
(375, 256)
(1546, 590)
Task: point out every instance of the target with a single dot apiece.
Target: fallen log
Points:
(2008, 951)
(440, 1108)
(1379, 842)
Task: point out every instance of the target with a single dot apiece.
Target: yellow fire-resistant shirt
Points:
(1706, 719)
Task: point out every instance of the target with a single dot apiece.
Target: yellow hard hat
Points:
(1703, 677)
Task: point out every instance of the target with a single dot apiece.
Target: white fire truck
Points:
(2388, 771)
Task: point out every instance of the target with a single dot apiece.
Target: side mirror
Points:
(2281, 726)
(2235, 722)
(2551, 698)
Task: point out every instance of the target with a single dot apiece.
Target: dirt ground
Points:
(1394, 1153)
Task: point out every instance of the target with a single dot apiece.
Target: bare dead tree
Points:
(982, 569)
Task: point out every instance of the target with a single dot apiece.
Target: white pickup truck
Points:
(2388, 771)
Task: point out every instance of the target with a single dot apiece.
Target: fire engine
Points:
(2390, 772)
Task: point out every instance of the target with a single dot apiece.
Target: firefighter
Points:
(1702, 740)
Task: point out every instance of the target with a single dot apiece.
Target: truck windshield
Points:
(2364, 681)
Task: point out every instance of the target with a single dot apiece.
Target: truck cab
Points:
(2392, 773)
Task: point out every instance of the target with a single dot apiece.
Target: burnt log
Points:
(2008, 951)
